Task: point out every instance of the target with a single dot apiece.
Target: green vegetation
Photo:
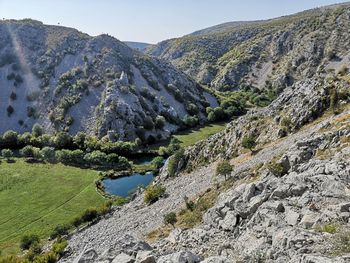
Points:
(327, 228)
(224, 168)
(174, 162)
(276, 168)
(153, 193)
(170, 219)
(249, 142)
(188, 138)
(42, 196)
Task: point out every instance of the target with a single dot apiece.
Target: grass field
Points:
(35, 198)
(192, 136)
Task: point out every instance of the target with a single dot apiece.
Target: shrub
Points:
(224, 168)
(95, 158)
(276, 169)
(249, 142)
(170, 219)
(153, 193)
(63, 140)
(37, 130)
(148, 123)
(89, 215)
(59, 246)
(6, 153)
(60, 231)
(334, 101)
(30, 151)
(48, 154)
(13, 95)
(192, 109)
(174, 162)
(158, 162)
(159, 122)
(10, 139)
(10, 110)
(190, 121)
(28, 240)
(286, 122)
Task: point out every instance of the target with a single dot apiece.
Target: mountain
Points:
(140, 46)
(267, 55)
(66, 80)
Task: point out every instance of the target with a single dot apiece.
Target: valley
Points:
(227, 145)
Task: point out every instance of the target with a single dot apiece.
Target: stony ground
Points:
(136, 219)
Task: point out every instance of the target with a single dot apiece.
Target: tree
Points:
(62, 140)
(249, 142)
(7, 153)
(37, 130)
(224, 168)
(159, 122)
(48, 154)
(170, 219)
(10, 139)
(30, 151)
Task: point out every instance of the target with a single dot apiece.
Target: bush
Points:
(48, 154)
(248, 142)
(190, 121)
(148, 123)
(37, 130)
(60, 231)
(158, 162)
(170, 219)
(59, 246)
(174, 162)
(276, 169)
(153, 193)
(30, 151)
(13, 95)
(95, 158)
(6, 153)
(160, 122)
(10, 110)
(28, 240)
(89, 215)
(10, 139)
(224, 168)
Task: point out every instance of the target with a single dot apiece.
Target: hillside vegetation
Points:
(266, 55)
(68, 81)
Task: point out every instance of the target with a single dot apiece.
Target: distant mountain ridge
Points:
(263, 54)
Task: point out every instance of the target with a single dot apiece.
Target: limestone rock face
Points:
(66, 80)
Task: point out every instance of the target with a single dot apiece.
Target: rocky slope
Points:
(287, 201)
(267, 55)
(67, 80)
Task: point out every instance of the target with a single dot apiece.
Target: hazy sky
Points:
(149, 20)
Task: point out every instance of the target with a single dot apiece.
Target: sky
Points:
(150, 21)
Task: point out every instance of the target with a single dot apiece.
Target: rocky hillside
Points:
(267, 55)
(67, 80)
(285, 201)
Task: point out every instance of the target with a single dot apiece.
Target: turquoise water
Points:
(123, 186)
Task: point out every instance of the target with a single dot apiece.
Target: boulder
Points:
(179, 257)
(216, 259)
(145, 257)
(123, 258)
